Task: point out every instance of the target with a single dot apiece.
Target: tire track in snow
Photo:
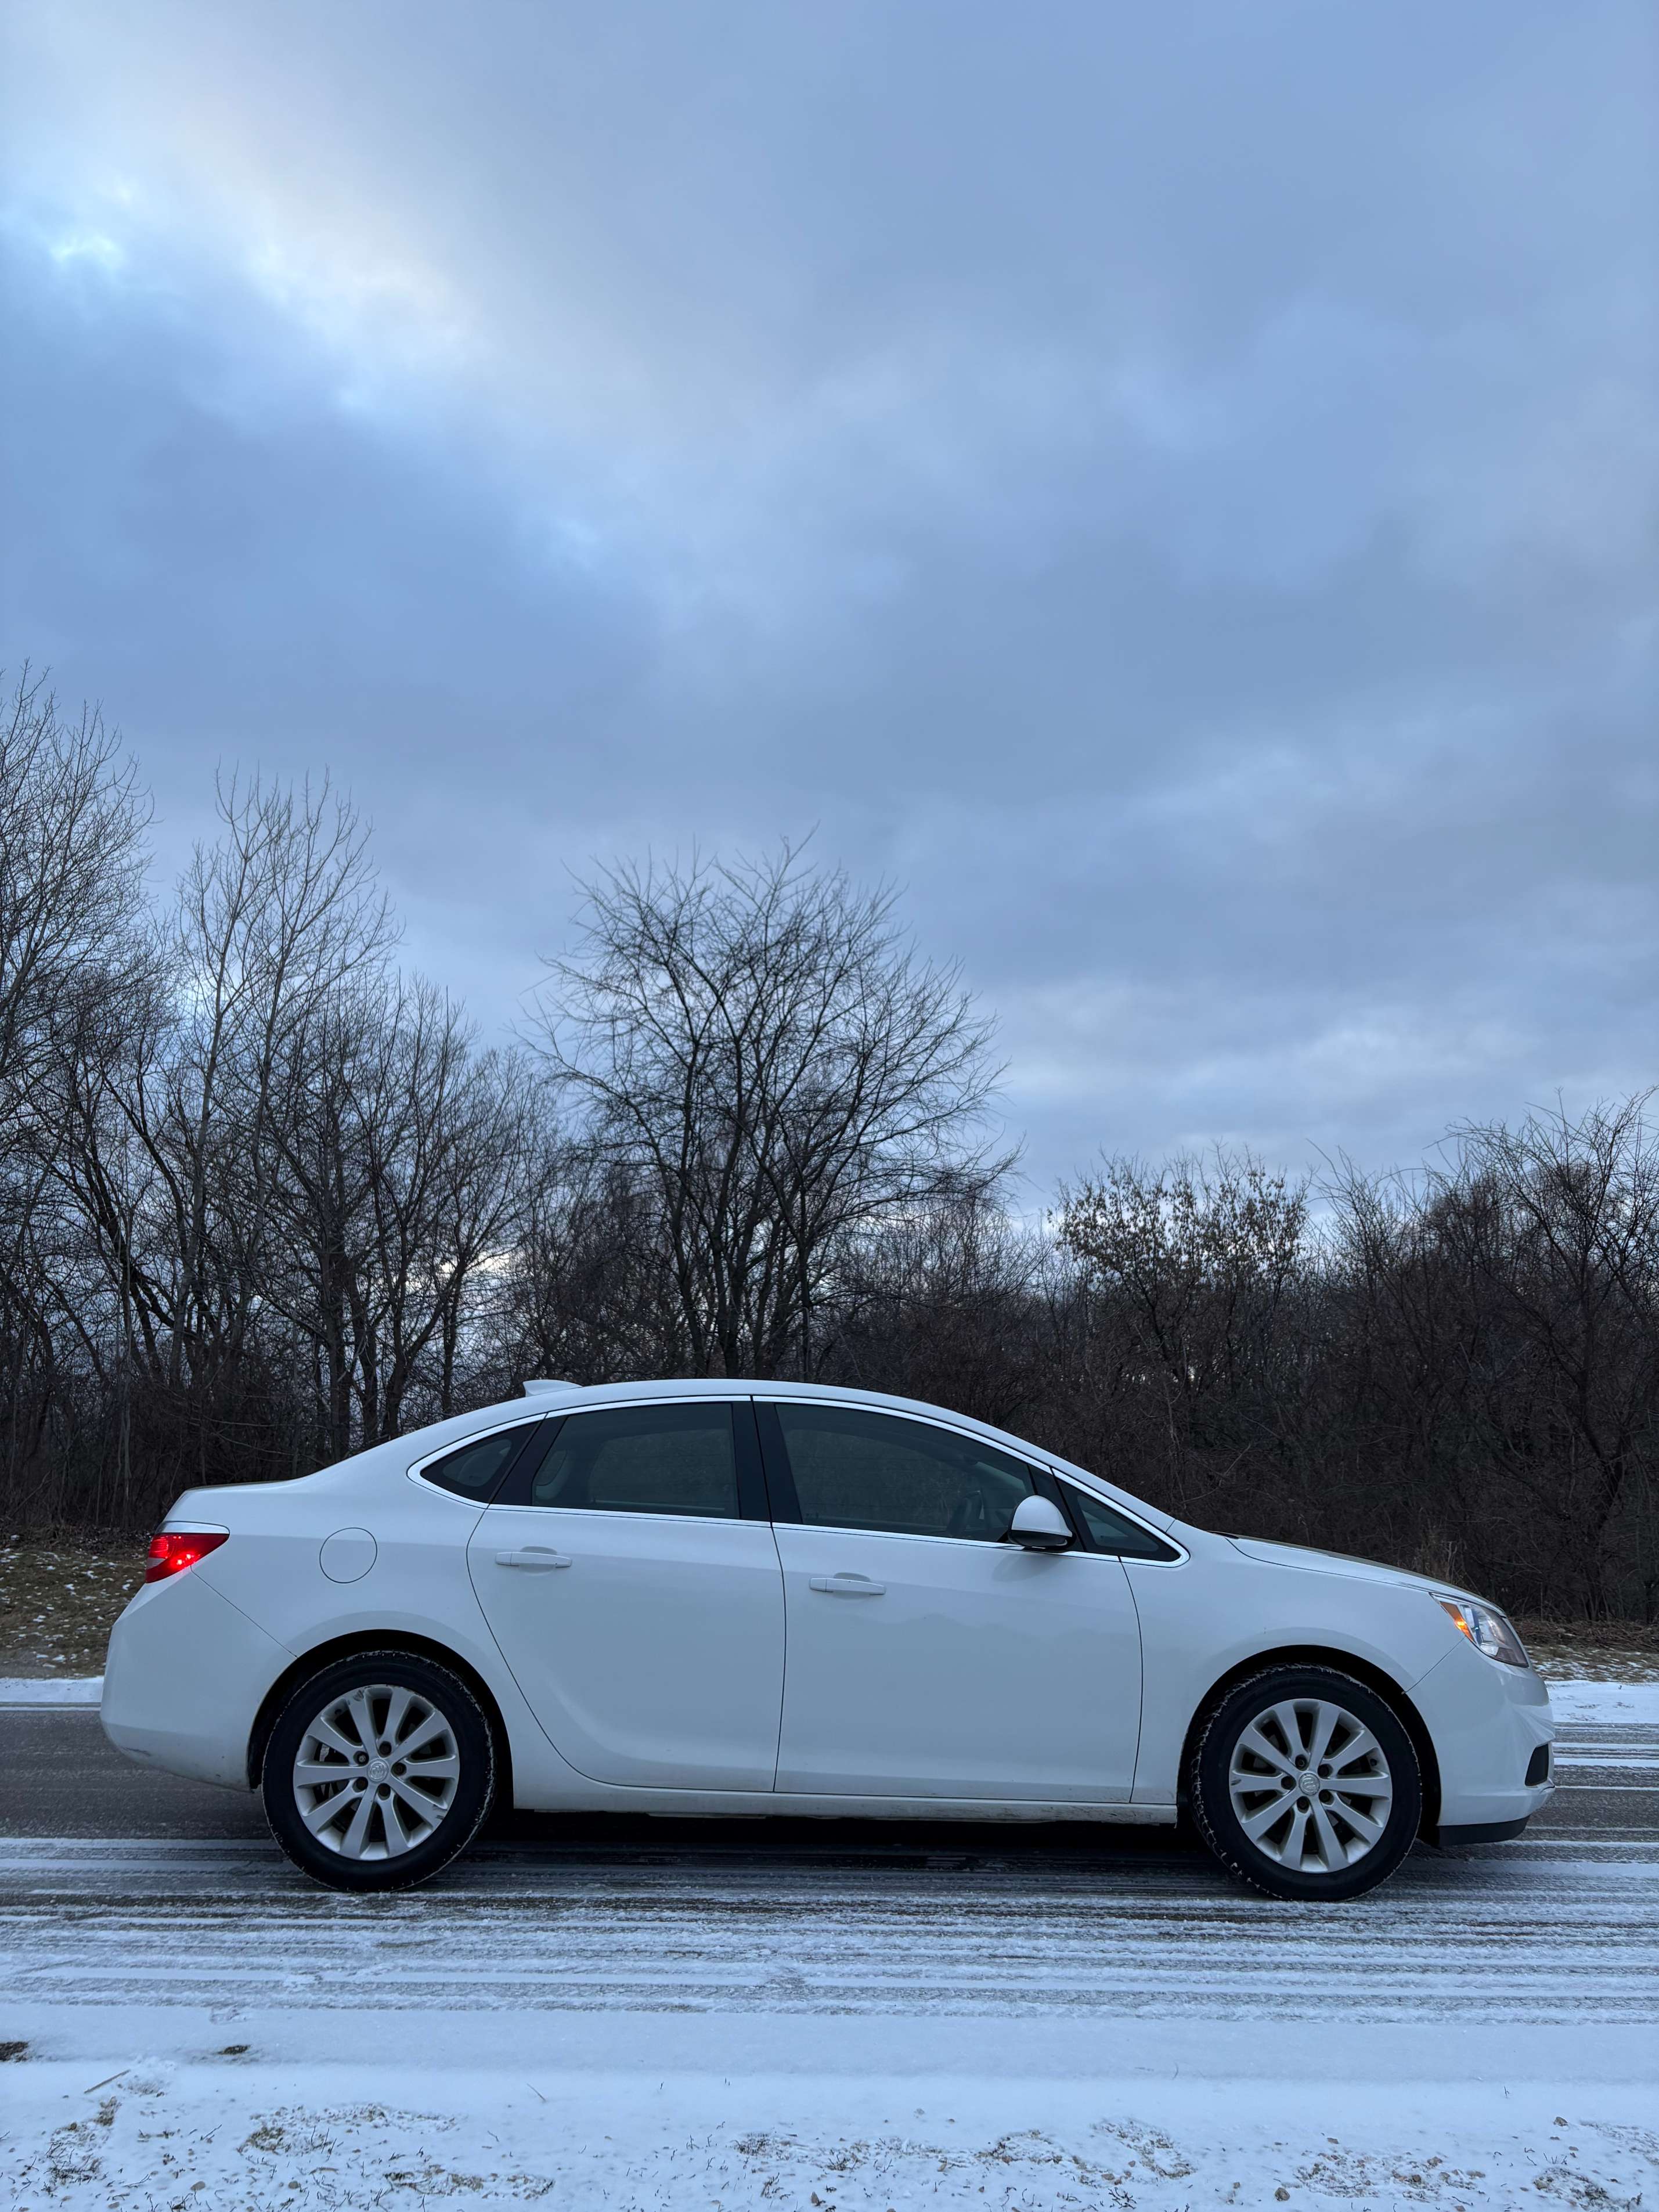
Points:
(1562, 1927)
(1549, 1939)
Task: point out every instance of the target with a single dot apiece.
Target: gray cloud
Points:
(1176, 488)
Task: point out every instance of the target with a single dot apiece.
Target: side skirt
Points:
(757, 1805)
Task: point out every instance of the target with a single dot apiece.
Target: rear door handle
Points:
(848, 1586)
(533, 1555)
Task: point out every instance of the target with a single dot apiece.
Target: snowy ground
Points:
(1576, 1703)
(272, 2140)
(747, 2027)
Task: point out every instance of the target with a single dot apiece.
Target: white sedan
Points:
(739, 1598)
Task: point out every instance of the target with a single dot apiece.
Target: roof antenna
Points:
(542, 1385)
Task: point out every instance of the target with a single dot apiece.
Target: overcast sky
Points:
(1173, 487)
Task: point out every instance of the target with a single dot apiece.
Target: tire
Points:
(401, 1819)
(1253, 1754)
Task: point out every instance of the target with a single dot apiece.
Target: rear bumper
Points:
(186, 1675)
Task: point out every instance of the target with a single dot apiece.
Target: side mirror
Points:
(1038, 1526)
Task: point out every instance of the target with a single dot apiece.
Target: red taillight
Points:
(172, 1550)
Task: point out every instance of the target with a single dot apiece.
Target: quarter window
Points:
(474, 1470)
(641, 1459)
(1110, 1531)
(859, 1470)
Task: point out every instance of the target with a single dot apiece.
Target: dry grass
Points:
(59, 1600)
(1593, 1650)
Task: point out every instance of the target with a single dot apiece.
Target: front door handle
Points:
(533, 1555)
(848, 1586)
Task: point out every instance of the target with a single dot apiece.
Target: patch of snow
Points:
(1576, 1701)
(43, 1690)
(231, 2131)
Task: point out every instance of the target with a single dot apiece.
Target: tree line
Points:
(266, 1199)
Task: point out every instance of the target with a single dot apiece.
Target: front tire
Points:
(380, 1768)
(1304, 1783)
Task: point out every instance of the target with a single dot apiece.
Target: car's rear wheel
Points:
(381, 1768)
(1304, 1783)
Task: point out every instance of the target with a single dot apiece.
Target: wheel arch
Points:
(1317, 1655)
(345, 1647)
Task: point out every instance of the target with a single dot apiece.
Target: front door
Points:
(927, 1657)
(642, 1615)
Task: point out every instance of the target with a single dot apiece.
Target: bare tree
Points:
(177, 1149)
(1569, 1266)
(399, 1175)
(1196, 1266)
(756, 1047)
(264, 1201)
(1492, 1336)
(591, 1291)
(946, 1303)
(72, 821)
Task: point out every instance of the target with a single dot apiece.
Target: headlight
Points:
(1487, 1629)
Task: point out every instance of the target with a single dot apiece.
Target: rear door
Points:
(632, 1581)
(928, 1657)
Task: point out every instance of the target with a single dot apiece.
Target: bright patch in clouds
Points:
(1179, 494)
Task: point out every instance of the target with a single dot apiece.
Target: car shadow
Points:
(787, 1842)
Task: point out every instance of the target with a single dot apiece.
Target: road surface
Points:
(103, 1864)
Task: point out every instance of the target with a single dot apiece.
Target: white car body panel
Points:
(1486, 1720)
(960, 1677)
(952, 1701)
(655, 1657)
(1235, 1602)
(185, 1671)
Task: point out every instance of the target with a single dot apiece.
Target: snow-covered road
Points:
(1560, 1930)
(757, 2018)
(1562, 1926)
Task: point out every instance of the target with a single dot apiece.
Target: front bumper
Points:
(1487, 1723)
(1481, 1831)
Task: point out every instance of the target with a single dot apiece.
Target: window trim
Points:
(754, 1501)
(415, 1471)
(745, 1453)
(781, 1479)
(782, 1503)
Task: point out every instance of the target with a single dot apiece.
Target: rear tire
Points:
(1304, 1783)
(380, 1768)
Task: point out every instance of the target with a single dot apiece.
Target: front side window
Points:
(1111, 1531)
(474, 1469)
(641, 1459)
(878, 1471)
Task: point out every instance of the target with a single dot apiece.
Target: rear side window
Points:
(474, 1470)
(641, 1459)
(1110, 1531)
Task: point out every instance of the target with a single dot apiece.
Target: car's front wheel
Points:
(1304, 1782)
(379, 1769)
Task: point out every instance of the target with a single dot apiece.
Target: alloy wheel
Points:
(377, 1770)
(1310, 1785)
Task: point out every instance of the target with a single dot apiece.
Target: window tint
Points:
(642, 1458)
(857, 1470)
(1109, 1531)
(476, 1468)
